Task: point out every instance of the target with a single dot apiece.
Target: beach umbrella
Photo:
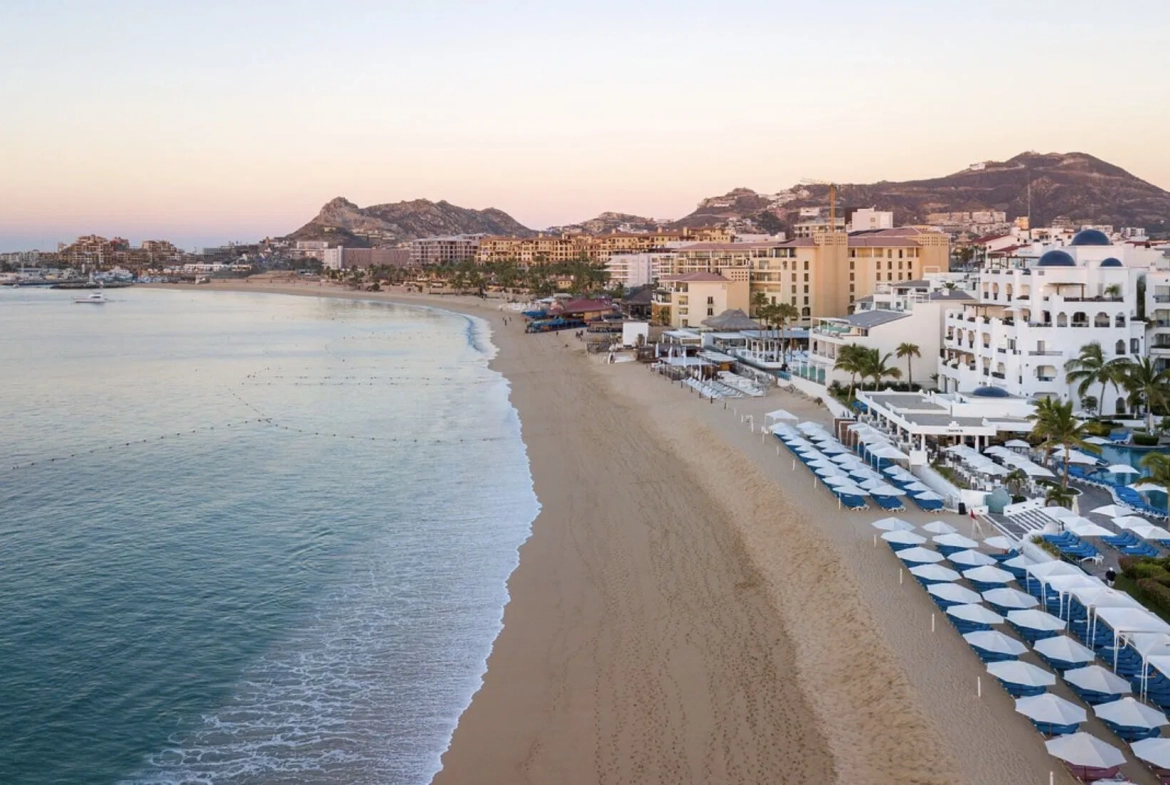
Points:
(833, 480)
(833, 448)
(933, 574)
(994, 646)
(1058, 513)
(916, 487)
(956, 541)
(895, 471)
(1010, 599)
(823, 464)
(810, 427)
(975, 614)
(1035, 624)
(1094, 678)
(1016, 563)
(1151, 532)
(1063, 650)
(1111, 511)
(951, 592)
(1155, 752)
(1130, 713)
(781, 414)
(844, 458)
(928, 496)
(899, 540)
(1086, 528)
(1129, 521)
(970, 558)
(1048, 569)
(892, 525)
(1049, 709)
(1000, 543)
(987, 577)
(851, 490)
(1097, 440)
(1146, 487)
(1121, 468)
(1021, 679)
(1086, 754)
(886, 490)
(920, 556)
(1017, 444)
(939, 527)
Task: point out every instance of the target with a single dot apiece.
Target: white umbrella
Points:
(1149, 486)
(975, 614)
(1047, 569)
(1020, 562)
(995, 642)
(1097, 440)
(916, 487)
(852, 490)
(1000, 543)
(892, 525)
(928, 496)
(781, 414)
(1010, 598)
(1064, 648)
(1094, 678)
(1151, 532)
(810, 427)
(833, 449)
(970, 558)
(1053, 709)
(939, 527)
(1082, 749)
(934, 572)
(834, 480)
(1016, 672)
(886, 490)
(1074, 456)
(1111, 511)
(824, 464)
(903, 538)
(1033, 619)
(1154, 751)
(919, 556)
(953, 592)
(988, 574)
(955, 541)
(1058, 513)
(1086, 528)
(843, 458)
(1018, 444)
(1129, 713)
(1121, 468)
(1129, 521)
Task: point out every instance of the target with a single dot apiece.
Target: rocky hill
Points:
(342, 222)
(609, 222)
(1076, 186)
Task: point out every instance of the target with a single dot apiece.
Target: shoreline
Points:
(685, 611)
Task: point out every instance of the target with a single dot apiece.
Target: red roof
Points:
(585, 305)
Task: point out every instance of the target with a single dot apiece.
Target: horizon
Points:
(552, 115)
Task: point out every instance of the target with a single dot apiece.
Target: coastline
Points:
(685, 611)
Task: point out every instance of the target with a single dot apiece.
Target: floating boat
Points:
(94, 298)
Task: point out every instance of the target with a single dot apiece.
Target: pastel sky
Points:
(219, 120)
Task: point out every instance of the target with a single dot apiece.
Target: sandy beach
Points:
(690, 609)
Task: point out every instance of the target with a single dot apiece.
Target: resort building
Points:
(870, 219)
(551, 249)
(1158, 317)
(694, 297)
(916, 420)
(342, 258)
(1031, 317)
(450, 250)
(638, 269)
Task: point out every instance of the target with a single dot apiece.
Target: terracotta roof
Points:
(583, 305)
(689, 277)
(882, 241)
(990, 238)
(727, 246)
(799, 242)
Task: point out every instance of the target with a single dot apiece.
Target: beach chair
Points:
(890, 503)
(852, 502)
(928, 505)
(1050, 729)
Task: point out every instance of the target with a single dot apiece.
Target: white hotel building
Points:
(1031, 317)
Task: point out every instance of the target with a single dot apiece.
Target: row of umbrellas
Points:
(1083, 527)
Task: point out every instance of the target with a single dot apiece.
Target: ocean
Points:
(247, 538)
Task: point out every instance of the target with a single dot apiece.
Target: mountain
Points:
(344, 223)
(1075, 186)
(609, 222)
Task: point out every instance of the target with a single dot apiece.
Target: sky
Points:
(234, 120)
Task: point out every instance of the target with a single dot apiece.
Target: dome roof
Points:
(1056, 258)
(1111, 262)
(990, 392)
(1090, 237)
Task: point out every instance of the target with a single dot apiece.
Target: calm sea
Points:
(247, 538)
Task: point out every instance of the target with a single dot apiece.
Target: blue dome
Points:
(1090, 237)
(1111, 262)
(1056, 258)
(990, 392)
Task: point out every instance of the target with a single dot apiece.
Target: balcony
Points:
(996, 375)
(1045, 353)
(1045, 378)
(1162, 298)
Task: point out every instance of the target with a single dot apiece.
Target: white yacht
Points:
(94, 298)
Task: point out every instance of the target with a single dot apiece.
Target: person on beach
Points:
(1110, 577)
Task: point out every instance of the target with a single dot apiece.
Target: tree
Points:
(1090, 367)
(1059, 496)
(875, 366)
(759, 303)
(1158, 465)
(1147, 386)
(849, 360)
(1113, 291)
(1015, 480)
(908, 350)
(1054, 423)
(784, 313)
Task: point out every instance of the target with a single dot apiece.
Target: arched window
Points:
(1080, 319)
(1101, 320)
(1061, 320)
(1120, 320)
(806, 312)
(1119, 348)
(1119, 405)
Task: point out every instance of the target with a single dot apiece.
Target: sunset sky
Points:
(215, 121)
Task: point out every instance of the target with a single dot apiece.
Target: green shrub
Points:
(1156, 595)
(1148, 569)
(1049, 548)
(1127, 565)
(1096, 428)
(1145, 440)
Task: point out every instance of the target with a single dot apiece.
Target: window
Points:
(899, 255)
(794, 277)
(851, 276)
(710, 311)
(852, 288)
(806, 288)
(710, 301)
(806, 277)
(806, 265)
(850, 264)
(684, 323)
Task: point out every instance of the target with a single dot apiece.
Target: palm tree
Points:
(876, 367)
(1015, 480)
(1113, 291)
(1053, 421)
(784, 313)
(759, 303)
(849, 359)
(1158, 465)
(1090, 367)
(1147, 386)
(908, 350)
(1059, 496)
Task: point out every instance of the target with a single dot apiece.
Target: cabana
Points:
(1033, 624)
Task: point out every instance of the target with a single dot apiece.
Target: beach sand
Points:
(690, 609)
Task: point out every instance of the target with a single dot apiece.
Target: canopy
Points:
(1059, 513)
(1128, 521)
(1132, 620)
(971, 558)
(1064, 648)
(953, 592)
(1051, 709)
(955, 541)
(1000, 543)
(1154, 751)
(988, 574)
(1111, 511)
(939, 527)
(1016, 672)
(1095, 678)
(1121, 468)
(1129, 713)
(934, 572)
(976, 614)
(1017, 444)
(1083, 527)
(1010, 598)
(995, 642)
(901, 537)
(920, 556)
(1098, 440)
(1045, 569)
(1081, 749)
(893, 524)
(1033, 619)
(731, 320)
(780, 415)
